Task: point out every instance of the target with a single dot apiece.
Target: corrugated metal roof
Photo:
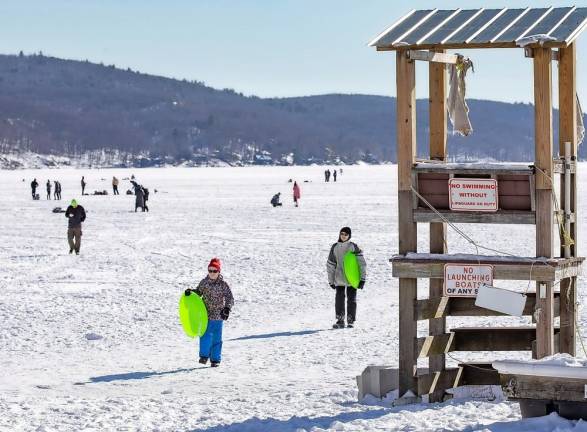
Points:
(482, 28)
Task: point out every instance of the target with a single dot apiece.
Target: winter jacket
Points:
(34, 185)
(334, 265)
(296, 192)
(75, 216)
(216, 295)
(114, 181)
(275, 199)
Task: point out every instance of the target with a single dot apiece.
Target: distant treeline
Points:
(75, 108)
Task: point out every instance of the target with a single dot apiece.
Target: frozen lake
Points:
(93, 342)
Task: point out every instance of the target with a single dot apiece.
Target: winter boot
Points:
(350, 325)
(203, 360)
(214, 364)
(338, 325)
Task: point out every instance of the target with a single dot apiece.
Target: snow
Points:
(93, 342)
(558, 365)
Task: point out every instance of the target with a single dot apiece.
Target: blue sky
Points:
(261, 47)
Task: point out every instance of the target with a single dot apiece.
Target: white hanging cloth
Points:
(580, 124)
(458, 111)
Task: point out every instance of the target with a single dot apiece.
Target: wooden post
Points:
(406, 154)
(544, 207)
(567, 90)
(437, 111)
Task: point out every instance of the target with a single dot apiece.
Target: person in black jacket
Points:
(48, 189)
(75, 214)
(34, 186)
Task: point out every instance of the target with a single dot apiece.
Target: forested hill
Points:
(84, 110)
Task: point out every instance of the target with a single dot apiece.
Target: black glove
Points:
(332, 286)
(361, 284)
(187, 292)
(224, 313)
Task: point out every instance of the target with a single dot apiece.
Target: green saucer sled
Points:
(193, 315)
(351, 268)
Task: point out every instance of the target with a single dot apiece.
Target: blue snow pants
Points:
(211, 341)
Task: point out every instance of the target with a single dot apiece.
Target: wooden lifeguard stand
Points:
(525, 192)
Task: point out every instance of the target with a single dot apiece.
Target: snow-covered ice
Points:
(93, 342)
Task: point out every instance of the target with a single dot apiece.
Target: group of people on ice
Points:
(328, 173)
(218, 298)
(297, 195)
(56, 187)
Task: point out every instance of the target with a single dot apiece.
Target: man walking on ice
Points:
(75, 214)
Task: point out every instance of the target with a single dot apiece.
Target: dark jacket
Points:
(75, 216)
(34, 185)
(275, 199)
(216, 295)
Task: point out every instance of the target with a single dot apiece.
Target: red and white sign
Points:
(467, 194)
(462, 280)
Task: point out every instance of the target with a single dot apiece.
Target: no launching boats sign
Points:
(462, 280)
(467, 194)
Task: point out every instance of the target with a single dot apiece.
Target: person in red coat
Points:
(296, 193)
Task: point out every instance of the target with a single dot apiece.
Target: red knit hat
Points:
(215, 262)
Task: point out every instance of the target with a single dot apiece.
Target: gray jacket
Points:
(335, 262)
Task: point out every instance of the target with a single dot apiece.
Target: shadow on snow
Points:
(278, 334)
(133, 376)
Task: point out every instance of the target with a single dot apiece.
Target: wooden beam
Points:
(567, 89)
(409, 268)
(494, 338)
(543, 387)
(434, 57)
(425, 215)
(439, 307)
(437, 382)
(544, 190)
(408, 238)
(437, 84)
(406, 120)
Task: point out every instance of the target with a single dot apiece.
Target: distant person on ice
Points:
(34, 186)
(115, 186)
(75, 214)
(83, 182)
(218, 299)
(275, 200)
(145, 198)
(139, 196)
(48, 189)
(56, 190)
(334, 174)
(338, 281)
(296, 193)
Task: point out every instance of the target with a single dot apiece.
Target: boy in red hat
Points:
(218, 299)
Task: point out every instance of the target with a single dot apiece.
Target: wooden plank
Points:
(431, 269)
(439, 307)
(406, 119)
(408, 241)
(437, 382)
(544, 190)
(568, 133)
(428, 168)
(425, 215)
(431, 56)
(493, 338)
(434, 345)
(541, 387)
(438, 139)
